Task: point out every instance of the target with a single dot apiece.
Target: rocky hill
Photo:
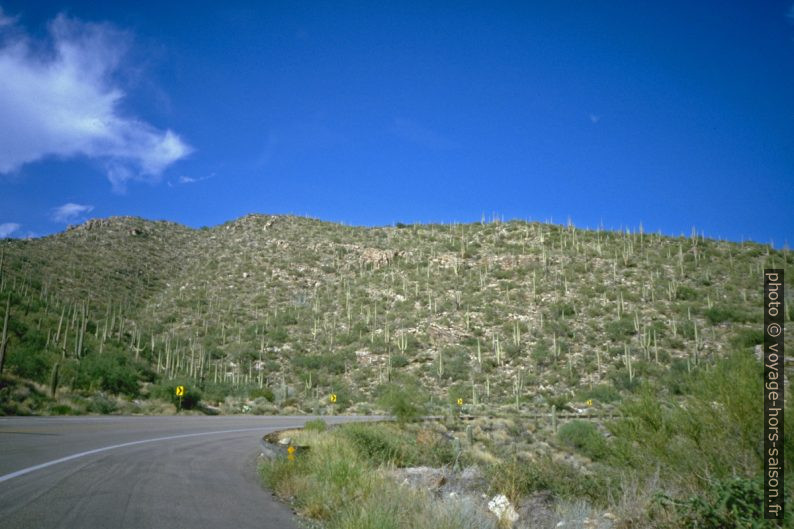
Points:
(293, 309)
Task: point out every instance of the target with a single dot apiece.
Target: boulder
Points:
(503, 509)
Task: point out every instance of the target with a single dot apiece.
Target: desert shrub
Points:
(263, 392)
(584, 437)
(713, 431)
(747, 338)
(604, 393)
(685, 293)
(100, 403)
(516, 479)
(622, 381)
(28, 361)
(734, 502)
(512, 350)
(678, 379)
(560, 402)
(456, 363)
(717, 315)
(276, 335)
(114, 372)
(404, 400)
(26, 354)
(618, 330)
(331, 363)
(434, 449)
(541, 353)
(399, 360)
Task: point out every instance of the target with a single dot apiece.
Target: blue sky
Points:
(669, 114)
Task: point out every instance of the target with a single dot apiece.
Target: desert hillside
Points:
(294, 309)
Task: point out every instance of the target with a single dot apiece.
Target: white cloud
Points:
(70, 212)
(595, 119)
(192, 180)
(64, 102)
(7, 228)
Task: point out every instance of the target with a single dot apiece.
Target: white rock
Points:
(502, 508)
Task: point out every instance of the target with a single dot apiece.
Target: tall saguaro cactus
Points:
(54, 379)
(4, 339)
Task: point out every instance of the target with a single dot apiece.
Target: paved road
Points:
(137, 472)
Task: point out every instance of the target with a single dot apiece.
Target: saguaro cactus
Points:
(4, 338)
(54, 378)
(518, 387)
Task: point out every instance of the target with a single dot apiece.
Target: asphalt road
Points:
(138, 472)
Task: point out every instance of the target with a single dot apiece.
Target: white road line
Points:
(24, 471)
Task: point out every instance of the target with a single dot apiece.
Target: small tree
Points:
(405, 401)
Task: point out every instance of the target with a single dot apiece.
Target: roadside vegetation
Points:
(340, 481)
(682, 456)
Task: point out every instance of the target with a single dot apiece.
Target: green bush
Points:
(584, 437)
(114, 372)
(618, 330)
(735, 502)
(717, 315)
(560, 402)
(603, 393)
(402, 400)
(686, 293)
(678, 378)
(398, 361)
(263, 392)
(31, 363)
(713, 431)
(26, 353)
(747, 338)
(623, 381)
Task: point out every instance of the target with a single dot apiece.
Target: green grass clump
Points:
(515, 479)
(381, 443)
(315, 425)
